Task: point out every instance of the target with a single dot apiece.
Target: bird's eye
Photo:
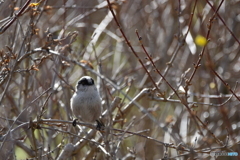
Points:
(83, 81)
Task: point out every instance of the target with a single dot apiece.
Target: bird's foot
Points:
(100, 125)
(74, 123)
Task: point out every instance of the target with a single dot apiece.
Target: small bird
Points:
(86, 102)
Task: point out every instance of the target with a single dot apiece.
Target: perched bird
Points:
(86, 102)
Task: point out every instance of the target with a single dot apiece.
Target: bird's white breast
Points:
(86, 104)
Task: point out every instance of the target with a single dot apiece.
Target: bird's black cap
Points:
(86, 81)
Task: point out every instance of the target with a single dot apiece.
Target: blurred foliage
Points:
(46, 46)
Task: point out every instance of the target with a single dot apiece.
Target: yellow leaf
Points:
(33, 4)
(212, 85)
(200, 40)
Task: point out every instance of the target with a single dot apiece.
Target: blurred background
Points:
(174, 64)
